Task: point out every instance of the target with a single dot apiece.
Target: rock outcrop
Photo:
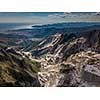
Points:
(63, 62)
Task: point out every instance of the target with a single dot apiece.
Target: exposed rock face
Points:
(69, 73)
(85, 58)
(68, 76)
(92, 39)
(69, 44)
(91, 73)
(53, 43)
(63, 62)
(17, 69)
(49, 74)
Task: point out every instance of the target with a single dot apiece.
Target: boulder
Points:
(91, 73)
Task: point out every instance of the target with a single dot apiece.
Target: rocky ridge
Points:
(68, 63)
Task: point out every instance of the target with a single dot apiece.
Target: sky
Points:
(48, 17)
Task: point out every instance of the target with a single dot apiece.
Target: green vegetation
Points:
(17, 70)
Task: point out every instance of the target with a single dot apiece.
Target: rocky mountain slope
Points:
(59, 60)
(70, 60)
(17, 69)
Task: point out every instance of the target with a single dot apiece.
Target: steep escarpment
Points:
(92, 39)
(65, 45)
(71, 61)
(52, 44)
(17, 69)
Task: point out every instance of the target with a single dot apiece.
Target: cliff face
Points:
(68, 44)
(92, 39)
(17, 69)
(66, 60)
(53, 43)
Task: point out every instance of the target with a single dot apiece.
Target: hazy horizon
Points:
(48, 17)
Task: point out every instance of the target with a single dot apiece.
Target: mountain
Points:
(26, 39)
(50, 55)
(53, 43)
(70, 60)
(65, 43)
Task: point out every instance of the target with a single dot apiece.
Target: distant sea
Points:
(15, 26)
(12, 26)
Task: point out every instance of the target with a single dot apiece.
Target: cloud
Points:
(59, 15)
(50, 18)
(77, 17)
(97, 13)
